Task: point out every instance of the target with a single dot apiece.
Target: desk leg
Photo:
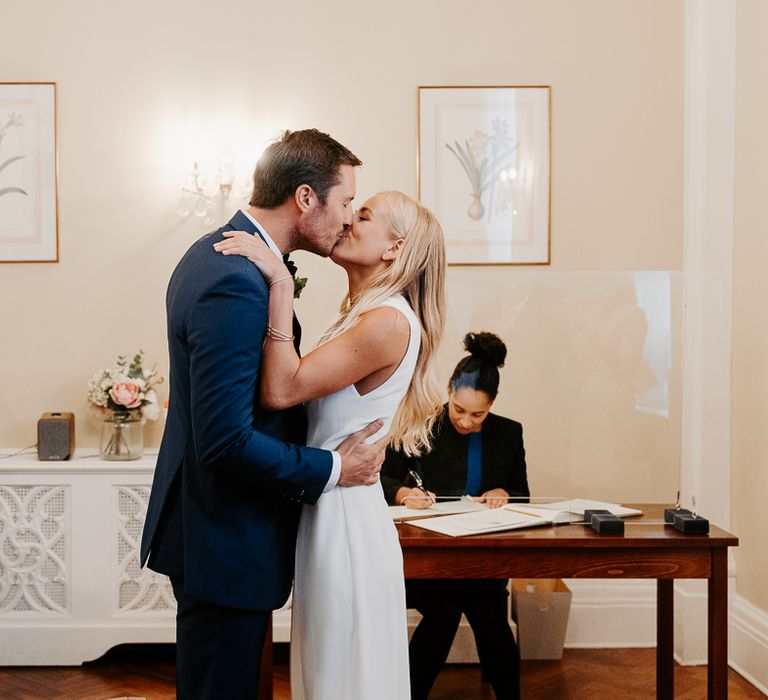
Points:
(265, 670)
(717, 639)
(665, 638)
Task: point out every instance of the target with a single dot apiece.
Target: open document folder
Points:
(517, 515)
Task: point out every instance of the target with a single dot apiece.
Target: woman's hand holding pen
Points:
(418, 497)
(415, 498)
(494, 498)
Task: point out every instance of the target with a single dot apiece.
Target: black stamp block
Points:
(608, 524)
(670, 513)
(594, 511)
(690, 524)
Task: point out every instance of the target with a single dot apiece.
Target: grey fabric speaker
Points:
(55, 436)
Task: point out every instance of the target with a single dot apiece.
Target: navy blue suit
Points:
(228, 486)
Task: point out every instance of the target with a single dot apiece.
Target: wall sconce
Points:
(204, 187)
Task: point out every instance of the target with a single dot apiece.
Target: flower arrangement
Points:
(483, 156)
(126, 388)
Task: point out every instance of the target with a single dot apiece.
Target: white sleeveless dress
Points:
(349, 636)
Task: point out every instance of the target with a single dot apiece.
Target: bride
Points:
(349, 629)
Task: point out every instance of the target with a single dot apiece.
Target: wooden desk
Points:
(648, 549)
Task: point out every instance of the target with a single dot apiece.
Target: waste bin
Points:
(540, 609)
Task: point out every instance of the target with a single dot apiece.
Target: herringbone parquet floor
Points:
(582, 674)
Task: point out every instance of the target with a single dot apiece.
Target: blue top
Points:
(474, 465)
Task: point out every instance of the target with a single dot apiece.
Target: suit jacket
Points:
(444, 469)
(228, 486)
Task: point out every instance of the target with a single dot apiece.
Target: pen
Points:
(419, 484)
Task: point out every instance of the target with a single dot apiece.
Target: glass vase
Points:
(122, 437)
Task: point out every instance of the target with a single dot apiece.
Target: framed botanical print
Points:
(28, 173)
(484, 170)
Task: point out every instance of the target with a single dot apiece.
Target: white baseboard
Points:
(54, 644)
(691, 611)
(748, 642)
(611, 614)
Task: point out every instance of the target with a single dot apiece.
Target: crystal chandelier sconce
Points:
(203, 189)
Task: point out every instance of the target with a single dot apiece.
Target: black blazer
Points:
(228, 487)
(444, 469)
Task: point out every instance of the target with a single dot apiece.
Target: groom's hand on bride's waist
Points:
(361, 463)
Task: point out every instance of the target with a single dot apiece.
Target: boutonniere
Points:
(298, 282)
(298, 286)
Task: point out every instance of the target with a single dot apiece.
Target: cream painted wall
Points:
(145, 89)
(749, 471)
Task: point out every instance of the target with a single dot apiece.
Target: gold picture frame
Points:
(484, 169)
(29, 218)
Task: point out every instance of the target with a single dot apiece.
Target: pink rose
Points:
(126, 394)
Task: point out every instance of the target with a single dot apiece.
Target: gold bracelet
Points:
(280, 279)
(274, 334)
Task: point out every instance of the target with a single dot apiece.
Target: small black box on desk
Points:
(603, 522)
(690, 524)
(670, 513)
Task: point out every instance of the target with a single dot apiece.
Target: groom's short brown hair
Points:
(307, 157)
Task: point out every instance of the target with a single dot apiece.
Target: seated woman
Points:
(476, 453)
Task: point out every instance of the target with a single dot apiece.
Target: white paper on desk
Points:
(573, 509)
(452, 507)
(489, 520)
(518, 515)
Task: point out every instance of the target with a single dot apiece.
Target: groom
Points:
(230, 476)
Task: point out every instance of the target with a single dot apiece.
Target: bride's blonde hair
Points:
(418, 273)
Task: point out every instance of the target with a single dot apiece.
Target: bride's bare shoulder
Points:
(384, 323)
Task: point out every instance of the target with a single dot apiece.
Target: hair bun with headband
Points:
(486, 347)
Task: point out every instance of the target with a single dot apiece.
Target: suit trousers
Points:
(441, 603)
(218, 649)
